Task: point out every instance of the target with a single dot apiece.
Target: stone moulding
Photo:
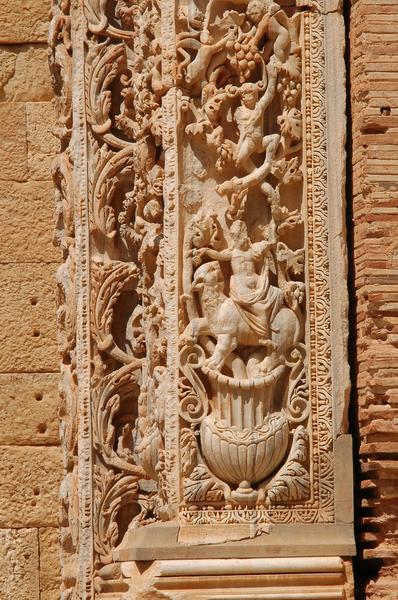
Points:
(203, 305)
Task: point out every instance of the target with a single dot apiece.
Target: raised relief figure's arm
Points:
(269, 93)
(264, 24)
(214, 254)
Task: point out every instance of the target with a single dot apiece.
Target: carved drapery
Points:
(194, 208)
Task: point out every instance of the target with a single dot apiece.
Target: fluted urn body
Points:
(242, 441)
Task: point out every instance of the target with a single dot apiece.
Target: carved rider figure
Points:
(255, 298)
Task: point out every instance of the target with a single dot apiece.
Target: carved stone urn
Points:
(242, 442)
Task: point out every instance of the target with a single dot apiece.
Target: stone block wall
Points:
(30, 459)
(374, 87)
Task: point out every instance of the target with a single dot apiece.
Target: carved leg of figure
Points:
(194, 329)
(269, 192)
(256, 174)
(280, 45)
(270, 145)
(226, 344)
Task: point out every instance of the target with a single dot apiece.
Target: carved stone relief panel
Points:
(198, 212)
(245, 402)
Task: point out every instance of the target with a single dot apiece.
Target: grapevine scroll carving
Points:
(244, 377)
(204, 297)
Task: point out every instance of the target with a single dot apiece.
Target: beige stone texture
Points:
(19, 562)
(30, 462)
(43, 145)
(28, 409)
(27, 209)
(28, 303)
(374, 69)
(49, 563)
(24, 21)
(29, 483)
(305, 578)
(13, 142)
(24, 74)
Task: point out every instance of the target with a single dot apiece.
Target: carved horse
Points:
(223, 321)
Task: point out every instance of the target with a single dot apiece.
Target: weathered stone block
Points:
(13, 142)
(42, 143)
(49, 563)
(28, 302)
(28, 409)
(18, 203)
(24, 21)
(24, 74)
(19, 564)
(29, 483)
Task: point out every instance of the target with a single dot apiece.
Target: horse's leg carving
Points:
(226, 343)
(196, 328)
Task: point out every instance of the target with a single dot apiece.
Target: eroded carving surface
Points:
(206, 283)
(244, 384)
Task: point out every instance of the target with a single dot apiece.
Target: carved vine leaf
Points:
(112, 493)
(287, 171)
(112, 279)
(293, 483)
(188, 451)
(201, 486)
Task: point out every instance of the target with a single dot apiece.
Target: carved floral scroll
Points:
(197, 183)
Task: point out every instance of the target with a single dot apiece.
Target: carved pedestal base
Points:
(203, 304)
(242, 541)
(312, 578)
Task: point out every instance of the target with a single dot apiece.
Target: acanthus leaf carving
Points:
(113, 279)
(292, 482)
(114, 491)
(209, 355)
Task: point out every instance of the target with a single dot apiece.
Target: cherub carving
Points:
(268, 20)
(250, 121)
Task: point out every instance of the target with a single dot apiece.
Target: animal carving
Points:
(223, 320)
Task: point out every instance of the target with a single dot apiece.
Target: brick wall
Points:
(30, 462)
(374, 96)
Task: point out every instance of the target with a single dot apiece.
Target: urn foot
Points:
(244, 494)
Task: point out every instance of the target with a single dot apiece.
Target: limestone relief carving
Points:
(242, 351)
(192, 213)
(60, 62)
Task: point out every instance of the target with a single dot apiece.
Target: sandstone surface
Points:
(24, 21)
(25, 75)
(27, 208)
(29, 482)
(30, 461)
(28, 302)
(29, 409)
(374, 79)
(19, 564)
(43, 145)
(49, 563)
(13, 146)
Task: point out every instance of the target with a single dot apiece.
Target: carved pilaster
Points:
(210, 377)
